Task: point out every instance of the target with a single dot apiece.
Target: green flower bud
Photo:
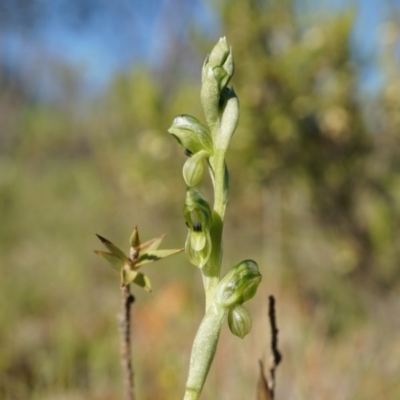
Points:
(229, 65)
(229, 115)
(219, 53)
(198, 248)
(239, 284)
(191, 134)
(193, 168)
(198, 216)
(196, 208)
(239, 321)
(217, 71)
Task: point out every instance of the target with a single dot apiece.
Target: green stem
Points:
(205, 343)
(203, 351)
(211, 271)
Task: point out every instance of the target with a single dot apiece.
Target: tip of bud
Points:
(219, 53)
(134, 239)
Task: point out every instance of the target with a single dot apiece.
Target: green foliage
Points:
(139, 254)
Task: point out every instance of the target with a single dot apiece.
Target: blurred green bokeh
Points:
(315, 199)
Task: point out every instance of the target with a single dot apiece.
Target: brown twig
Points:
(276, 356)
(124, 327)
(266, 385)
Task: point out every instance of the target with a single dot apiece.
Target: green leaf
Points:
(112, 247)
(113, 259)
(128, 276)
(156, 255)
(151, 244)
(143, 281)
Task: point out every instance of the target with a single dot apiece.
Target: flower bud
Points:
(218, 69)
(193, 168)
(134, 239)
(198, 248)
(209, 96)
(219, 53)
(196, 208)
(191, 134)
(229, 116)
(239, 321)
(221, 76)
(239, 284)
(229, 65)
(197, 213)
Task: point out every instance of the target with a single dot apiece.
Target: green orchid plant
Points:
(208, 144)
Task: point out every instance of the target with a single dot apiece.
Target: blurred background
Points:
(88, 90)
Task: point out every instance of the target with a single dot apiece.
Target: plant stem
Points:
(203, 351)
(206, 340)
(124, 327)
(211, 271)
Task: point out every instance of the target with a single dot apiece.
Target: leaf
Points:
(151, 244)
(155, 255)
(112, 247)
(143, 281)
(115, 261)
(128, 276)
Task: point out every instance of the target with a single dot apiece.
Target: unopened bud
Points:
(217, 71)
(134, 239)
(239, 321)
(197, 213)
(219, 53)
(193, 168)
(239, 284)
(191, 134)
(198, 248)
(229, 116)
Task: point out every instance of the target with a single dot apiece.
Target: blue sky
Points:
(121, 33)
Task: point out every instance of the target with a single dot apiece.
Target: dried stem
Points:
(266, 384)
(276, 356)
(124, 327)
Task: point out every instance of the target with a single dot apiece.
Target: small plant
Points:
(128, 267)
(224, 296)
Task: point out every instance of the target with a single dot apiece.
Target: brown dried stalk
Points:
(266, 385)
(124, 327)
